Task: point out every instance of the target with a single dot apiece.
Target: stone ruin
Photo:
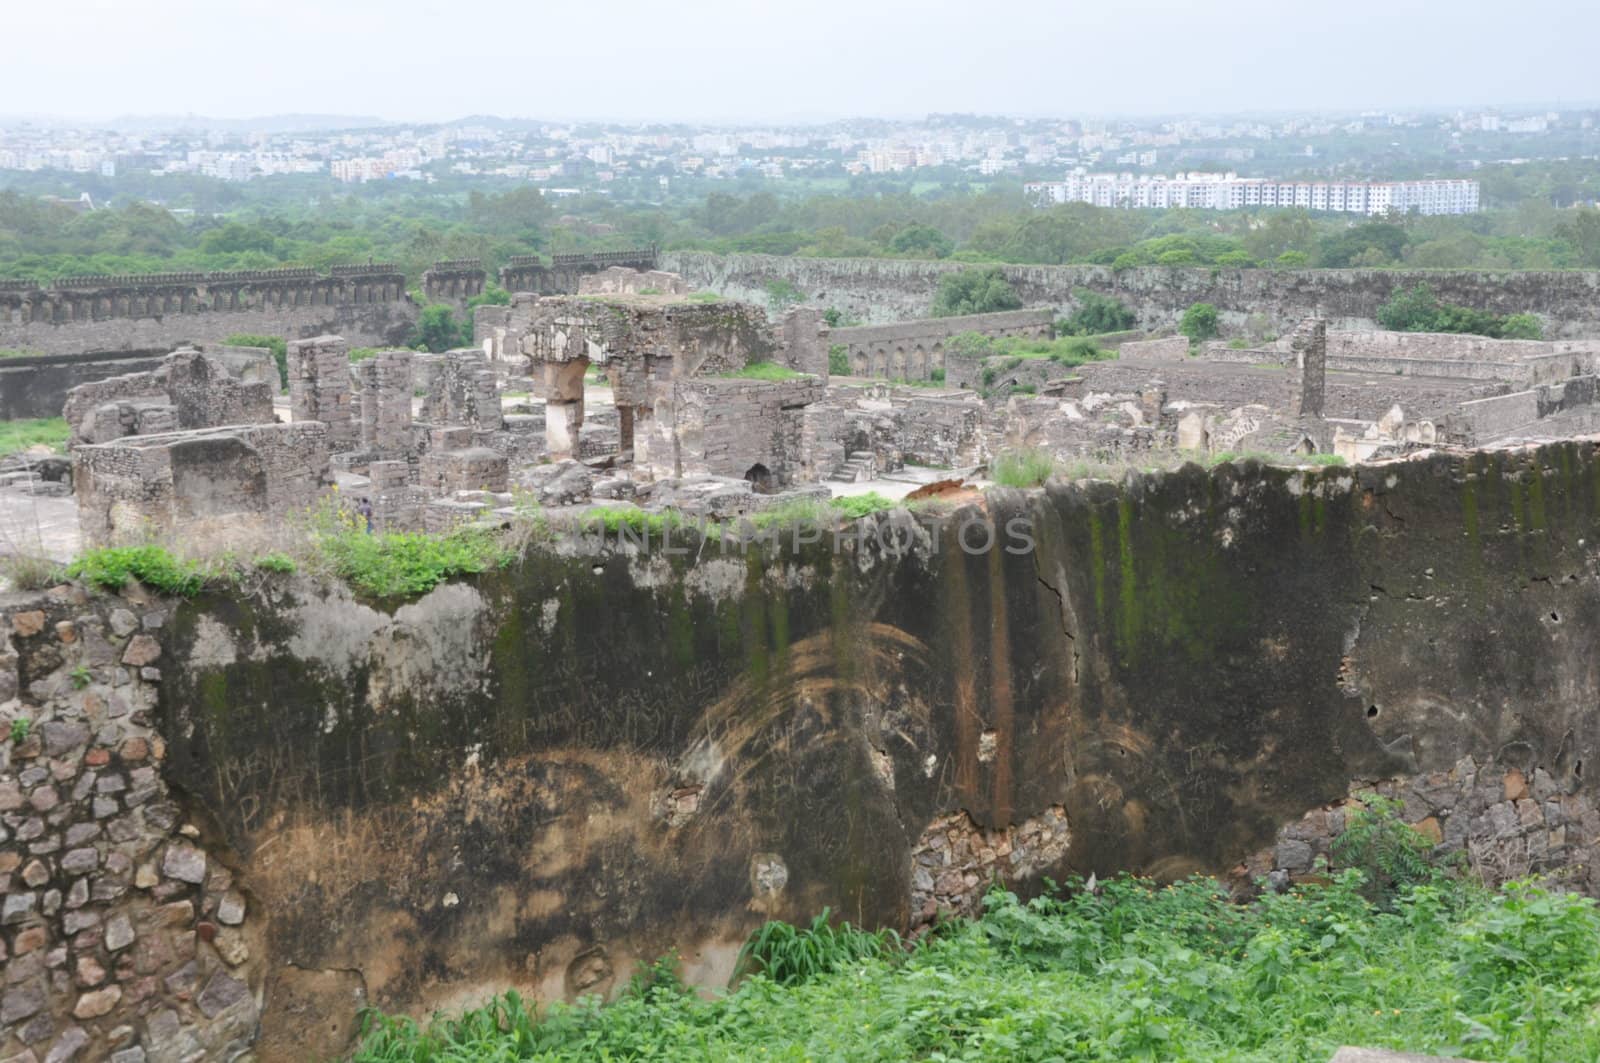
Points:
(636, 389)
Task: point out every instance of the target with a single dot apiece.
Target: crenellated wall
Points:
(886, 290)
(548, 774)
(367, 304)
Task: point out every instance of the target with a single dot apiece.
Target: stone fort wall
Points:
(884, 290)
(203, 855)
(367, 304)
(911, 350)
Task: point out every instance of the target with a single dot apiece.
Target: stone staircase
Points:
(860, 466)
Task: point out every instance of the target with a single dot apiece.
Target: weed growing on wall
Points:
(111, 567)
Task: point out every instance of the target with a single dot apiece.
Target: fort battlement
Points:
(528, 273)
(454, 280)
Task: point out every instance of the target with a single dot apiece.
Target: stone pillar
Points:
(563, 409)
(1310, 343)
(319, 388)
(805, 341)
(386, 402)
(488, 414)
(624, 427)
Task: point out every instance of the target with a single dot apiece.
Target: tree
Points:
(921, 241)
(1096, 314)
(974, 291)
(1583, 233)
(1413, 310)
(1522, 327)
(1199, 322)
(437, 329)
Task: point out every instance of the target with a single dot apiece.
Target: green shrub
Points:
(21, 727)
(1200, 322)
(1022, 468)
(361, 354)
(838, 359)
(281, 563)
(854, 507)
(936, 376)
(276, 344)
(789, 955)
(111, 567)
(1096, 314)
(402, 564)
(1391, 854)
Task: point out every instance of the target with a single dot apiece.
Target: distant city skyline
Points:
(728, 61)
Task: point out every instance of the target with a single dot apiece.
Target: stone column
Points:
(319, 388)
(1311, 344)
(386, 402)
(563, 410)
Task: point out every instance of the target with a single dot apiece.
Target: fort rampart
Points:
(884, 290)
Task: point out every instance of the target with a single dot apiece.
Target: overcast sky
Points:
(764, 60)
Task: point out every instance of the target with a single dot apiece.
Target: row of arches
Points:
(64, 307)
(897, 363)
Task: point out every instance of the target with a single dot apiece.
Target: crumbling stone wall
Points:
(320, 388)
(210, 485)
(188, 390)
(418, 799)
(914, 350)
(38, 386)
(884, 290)
(123, 935)
(751, 429)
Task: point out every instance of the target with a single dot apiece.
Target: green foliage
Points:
(81, 677)
(1417, 309)
(854, 507)
(1391, 854)
(361, 354)
(936, 376)
(788, 955)
(1199, 322)
(437, 329)
(1096, 314)
(1522, 327)
(403, 564)
(765, 371)
(1128, 970)
(21, 727)
(30, 570)
(492, 295)
(276, 344)
(280, 563)
(703, 297)
(51, 432)
(838, 360)
(1022, 468)
(921, 241)
(111, 567)
(974, 291)
(782, 294)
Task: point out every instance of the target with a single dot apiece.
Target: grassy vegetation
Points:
(765, 371)
(20, 435)
(1022, 468)
(1130, 970)
(397, 564)
(703, 297)
(12, 352)
(111, 567)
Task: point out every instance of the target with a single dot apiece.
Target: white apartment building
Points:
(1227, 191)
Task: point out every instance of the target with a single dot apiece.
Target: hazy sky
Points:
(801, 59)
